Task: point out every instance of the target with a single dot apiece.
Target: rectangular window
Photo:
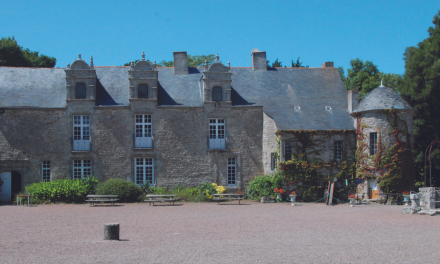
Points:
(144, 171)
(232, 172)
(143, 135)
(45, 171)
(288, 149)
(217, 134)
(373, 143)
(273, 161)
(81, 133)
(82, 169)
(338, 150)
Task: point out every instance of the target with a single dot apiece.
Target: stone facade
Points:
(180, 143)
(270, 144)
(209, 124)
(323, 147)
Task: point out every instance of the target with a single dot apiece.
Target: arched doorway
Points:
(11, 185)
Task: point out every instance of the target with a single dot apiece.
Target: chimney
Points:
(327, 64)
(180, 62)
(353, 100)
(259, 62)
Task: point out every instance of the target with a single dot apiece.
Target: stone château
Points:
(178, 125)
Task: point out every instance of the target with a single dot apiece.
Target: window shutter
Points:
(217, 94)
(143, 91)
(80, 91)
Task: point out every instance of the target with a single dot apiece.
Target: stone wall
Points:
(322, 146)
(380, 121)
(180, 142)
(270, 144)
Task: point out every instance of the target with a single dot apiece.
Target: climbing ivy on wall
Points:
(304, 166)
(391, 166)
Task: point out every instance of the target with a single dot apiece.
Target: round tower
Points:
(384, 127)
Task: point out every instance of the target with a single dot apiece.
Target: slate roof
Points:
(277, 90)
(382, 97)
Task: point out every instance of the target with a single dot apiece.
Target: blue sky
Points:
(115, 32)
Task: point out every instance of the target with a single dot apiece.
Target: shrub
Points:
(219, 188)
(146, 187)
(263, 186)
(159, 190)
(65, 191)
(127, 192)
(207, 190)
(188, 194)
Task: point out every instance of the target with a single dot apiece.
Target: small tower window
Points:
(143, 91)
(80, 91)
(373, 143)
(216, 93)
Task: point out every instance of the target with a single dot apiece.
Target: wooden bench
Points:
(160, 198)
(228, 196)
(92, 199)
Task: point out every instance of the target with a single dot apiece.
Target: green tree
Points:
(277, 63)
(421, 88)
(365, 76)
(11, 54)
(298, 64)
(193, 61)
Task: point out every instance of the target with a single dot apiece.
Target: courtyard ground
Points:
(211, 233)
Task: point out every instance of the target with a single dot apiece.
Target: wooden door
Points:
(5, 192)
(374, 194)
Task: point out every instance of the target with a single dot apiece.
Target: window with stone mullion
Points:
(82, 168)
(143, 126)
(81, 127)
(144, 171)
(216, 128)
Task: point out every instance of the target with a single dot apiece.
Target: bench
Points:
(92, 199)
(160, 198)
(227, 196)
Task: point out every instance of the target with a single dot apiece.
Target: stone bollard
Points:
(111, 231)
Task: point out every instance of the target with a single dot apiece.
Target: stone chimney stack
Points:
(327, 64)
(180, 62)
(353, 100)
(259, 62)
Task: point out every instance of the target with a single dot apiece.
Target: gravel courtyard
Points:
(211, 233)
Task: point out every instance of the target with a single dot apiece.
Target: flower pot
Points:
(279, 196)
(292, 199)
(406, 199)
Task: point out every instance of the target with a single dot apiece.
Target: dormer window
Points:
(328, 108)
(297, 107)
(217, 93)
(80, 91)
(143, 91)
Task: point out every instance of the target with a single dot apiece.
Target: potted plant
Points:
(267, 196)
(354, 197)
(406, 197)
(292, 196)
(279, 192)
(351, 199)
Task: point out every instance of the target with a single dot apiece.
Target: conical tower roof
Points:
(382, 97)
